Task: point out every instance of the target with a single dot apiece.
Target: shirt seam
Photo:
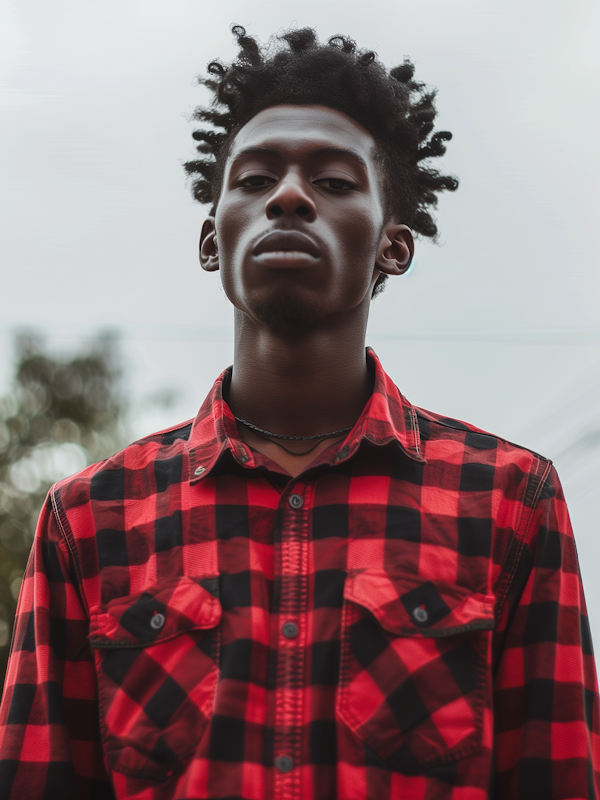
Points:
(67, 538)
(521, 534)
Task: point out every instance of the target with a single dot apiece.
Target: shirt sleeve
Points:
(49, 733)
(545, 688)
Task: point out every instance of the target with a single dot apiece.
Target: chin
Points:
(286, 315)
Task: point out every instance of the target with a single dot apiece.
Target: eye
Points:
(255, 181)
(336, 184)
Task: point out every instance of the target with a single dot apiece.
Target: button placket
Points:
(293, 607)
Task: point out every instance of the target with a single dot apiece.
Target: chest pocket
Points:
(156, 658)
(414, 677)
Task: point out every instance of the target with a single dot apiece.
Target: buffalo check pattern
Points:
(405, 619)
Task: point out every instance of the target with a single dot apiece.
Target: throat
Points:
(295, 397)
(317, 382)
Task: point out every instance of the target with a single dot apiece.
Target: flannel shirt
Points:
(404, 619)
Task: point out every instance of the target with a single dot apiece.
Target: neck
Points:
(313, 383)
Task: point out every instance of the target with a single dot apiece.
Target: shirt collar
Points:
(387, 417)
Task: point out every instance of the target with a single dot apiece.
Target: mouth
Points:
(286, 248)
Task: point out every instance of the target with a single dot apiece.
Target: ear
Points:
(396, 249)
(209, 251)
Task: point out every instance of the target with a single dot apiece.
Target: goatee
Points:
(286, 315)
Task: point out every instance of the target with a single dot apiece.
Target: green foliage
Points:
(59, 416)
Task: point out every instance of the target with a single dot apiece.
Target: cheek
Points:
(359, 240)
(228, 225)
(232, 225)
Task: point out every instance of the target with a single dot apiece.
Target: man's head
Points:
(302, 233)
(294, 69)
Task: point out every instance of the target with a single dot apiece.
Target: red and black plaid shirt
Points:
(404, 619)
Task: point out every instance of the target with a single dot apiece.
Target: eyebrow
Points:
(321, 151)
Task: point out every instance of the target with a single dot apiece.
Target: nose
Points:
(291, 198)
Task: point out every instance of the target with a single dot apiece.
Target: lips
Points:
(286, 241)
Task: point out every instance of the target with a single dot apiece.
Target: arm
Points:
(545, 688)
(49, 741)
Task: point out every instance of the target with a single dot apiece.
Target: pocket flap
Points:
(406, 606)
(158, 613)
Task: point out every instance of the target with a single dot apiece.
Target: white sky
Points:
(500, 325)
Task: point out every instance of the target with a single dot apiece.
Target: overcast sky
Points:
(500, 325)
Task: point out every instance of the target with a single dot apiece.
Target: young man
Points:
(313, 590)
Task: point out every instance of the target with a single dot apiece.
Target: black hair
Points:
(294, 68)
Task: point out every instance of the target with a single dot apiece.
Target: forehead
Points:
(294, 129)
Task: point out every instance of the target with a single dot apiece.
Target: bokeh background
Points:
(500, 325)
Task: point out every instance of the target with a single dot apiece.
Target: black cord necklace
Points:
(294, 438)
(274, 436)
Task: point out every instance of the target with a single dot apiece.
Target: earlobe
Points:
(209, 250)
(396, 249)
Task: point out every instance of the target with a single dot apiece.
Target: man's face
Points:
(300, 217)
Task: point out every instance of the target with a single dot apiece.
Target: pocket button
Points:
(157, 621)
(420, 614)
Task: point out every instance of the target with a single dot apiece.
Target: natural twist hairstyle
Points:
(294, 68)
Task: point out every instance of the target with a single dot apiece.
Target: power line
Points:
(588, 336)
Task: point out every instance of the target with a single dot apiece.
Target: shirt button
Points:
(199, 471)
(284, 764)
(296, 501)
(289, 630)
(157, 621)
(420, 614)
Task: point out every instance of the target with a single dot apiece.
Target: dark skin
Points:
(300, 238)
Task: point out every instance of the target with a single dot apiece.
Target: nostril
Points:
(276, 210)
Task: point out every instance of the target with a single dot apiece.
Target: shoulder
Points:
(478, 459)
(127, 474)
(439, 428)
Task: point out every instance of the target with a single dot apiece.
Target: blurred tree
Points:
(59, 416)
